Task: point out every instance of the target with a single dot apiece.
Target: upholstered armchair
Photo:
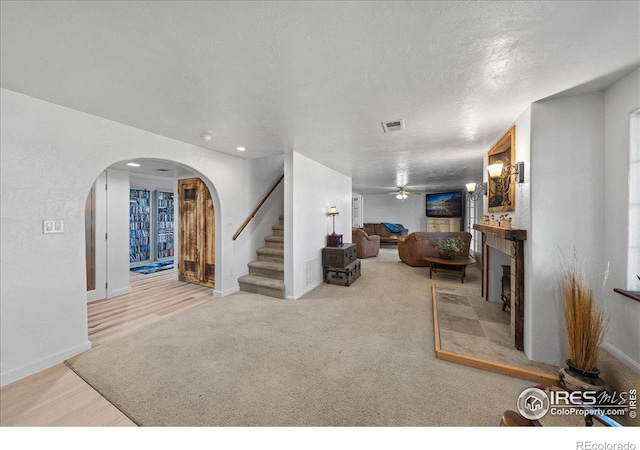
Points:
(366, 246)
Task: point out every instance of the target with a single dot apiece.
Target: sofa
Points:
(366, 246)
(386, 236)
(414, 247)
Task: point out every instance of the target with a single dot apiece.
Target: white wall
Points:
(262, 175)
(51, 155)
(118, 233)
(313, 188)
(623, 336)
(100, 224)
(410, 212)
(567, 196)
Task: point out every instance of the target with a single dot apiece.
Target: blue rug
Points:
(153, 267)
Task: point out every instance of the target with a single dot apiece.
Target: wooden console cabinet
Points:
(443, 225)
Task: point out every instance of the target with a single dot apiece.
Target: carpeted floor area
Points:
(340, 356)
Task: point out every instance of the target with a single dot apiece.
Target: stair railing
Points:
(255, 211)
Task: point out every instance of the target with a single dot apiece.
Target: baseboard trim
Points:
(119, 292)
(633, 365)
(94, 296)
(40, 365)
(493, 366)
(219, 294)
(305, 292)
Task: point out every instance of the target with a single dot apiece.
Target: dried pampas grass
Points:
(584, 319)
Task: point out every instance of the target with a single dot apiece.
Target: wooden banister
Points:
(255, 211)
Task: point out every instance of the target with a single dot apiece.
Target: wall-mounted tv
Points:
(445, 204)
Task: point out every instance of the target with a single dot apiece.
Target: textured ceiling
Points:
(320, 77)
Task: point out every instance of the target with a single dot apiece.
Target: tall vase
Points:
(575, 379)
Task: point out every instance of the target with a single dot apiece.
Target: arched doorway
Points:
(134, 205)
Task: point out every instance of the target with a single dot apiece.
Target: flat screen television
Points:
(445, 204)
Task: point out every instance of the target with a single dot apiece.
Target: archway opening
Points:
(134, 270)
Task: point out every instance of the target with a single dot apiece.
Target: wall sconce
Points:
(499, 170)
(501, 180)
(475, 190)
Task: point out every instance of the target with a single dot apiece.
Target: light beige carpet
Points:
(340, 356)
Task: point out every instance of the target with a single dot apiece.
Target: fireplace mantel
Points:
(510, 234)
(511, 242)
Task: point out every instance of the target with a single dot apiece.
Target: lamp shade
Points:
(495, 170)
(333, 211)
(471, 187)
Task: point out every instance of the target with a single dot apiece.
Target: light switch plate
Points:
(52, 226)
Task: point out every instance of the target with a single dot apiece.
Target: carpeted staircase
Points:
(266, 275)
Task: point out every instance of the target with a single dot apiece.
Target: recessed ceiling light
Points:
(132, 164)
(240, 149)
(206, 137)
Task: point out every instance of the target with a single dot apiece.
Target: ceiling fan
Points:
(402, 193)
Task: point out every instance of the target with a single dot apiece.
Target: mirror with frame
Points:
(501, 186)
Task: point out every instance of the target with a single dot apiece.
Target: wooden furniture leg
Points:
(514, 419)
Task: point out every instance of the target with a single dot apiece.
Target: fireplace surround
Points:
(510, 242)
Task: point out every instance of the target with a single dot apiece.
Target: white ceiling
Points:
(158, 168)
(320, 77)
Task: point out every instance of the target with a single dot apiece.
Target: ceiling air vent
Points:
(163, 170)
(394, 125)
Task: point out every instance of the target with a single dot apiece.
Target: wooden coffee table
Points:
(459, 264)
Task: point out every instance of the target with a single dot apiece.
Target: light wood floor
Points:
(59, 397)
(153, 297)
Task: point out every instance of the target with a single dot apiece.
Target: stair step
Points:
(278, 230)
(271, 254)
(281, 220)
(262, 285)
(267, 269)
(274, 241)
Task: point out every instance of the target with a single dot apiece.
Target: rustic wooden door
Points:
(197, 233)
